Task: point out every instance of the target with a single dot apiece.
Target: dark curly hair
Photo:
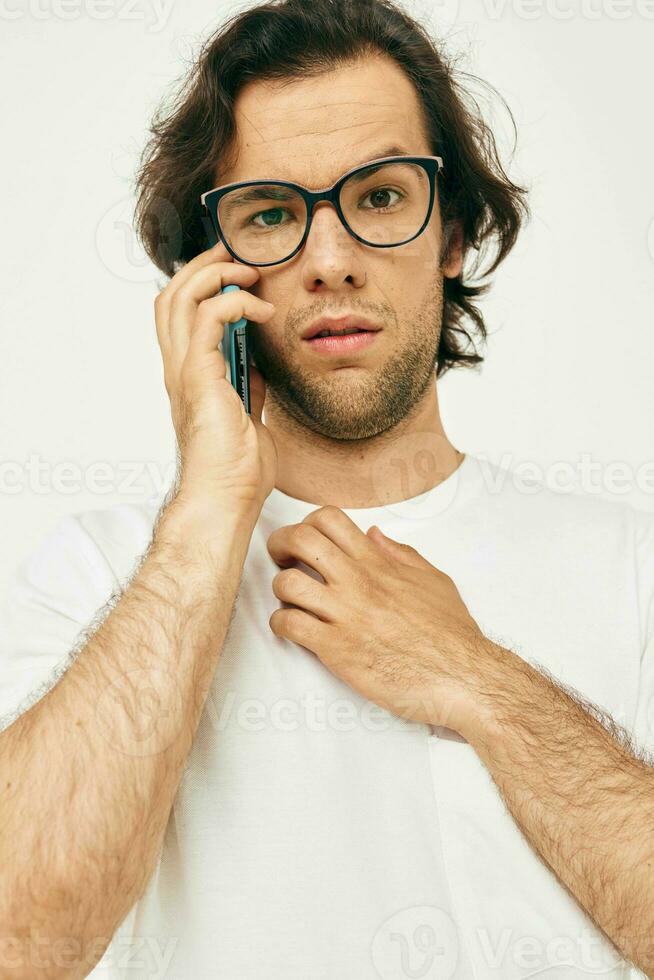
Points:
(286, 39)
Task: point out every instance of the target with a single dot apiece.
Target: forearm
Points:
(579, 792)
(89, 773)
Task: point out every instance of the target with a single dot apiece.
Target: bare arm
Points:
(396, 630)
(89, 772)
(580, 790)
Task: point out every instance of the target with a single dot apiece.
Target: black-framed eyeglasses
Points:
(265, 222)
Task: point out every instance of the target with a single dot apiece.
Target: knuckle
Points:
(293, 578)
(281, 582)
(180, 297)
(303, 533)
(206, 306)
(160, 304)
(328, 518)
(327, 515)
(304, 586)
(294, 619)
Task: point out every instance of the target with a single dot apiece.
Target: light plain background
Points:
(568, 374)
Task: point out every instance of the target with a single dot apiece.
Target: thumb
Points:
(383, 540)
(402, 552)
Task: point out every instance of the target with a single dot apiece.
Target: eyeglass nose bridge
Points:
(433, 165)
(313, 199)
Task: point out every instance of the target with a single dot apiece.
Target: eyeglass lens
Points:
(385, 204)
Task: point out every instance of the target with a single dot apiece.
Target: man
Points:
(357, 770)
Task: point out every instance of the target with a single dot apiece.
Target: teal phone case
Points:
(235, 351)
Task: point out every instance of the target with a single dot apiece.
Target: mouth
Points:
(331, 326)
(343, 335)
(342, 343)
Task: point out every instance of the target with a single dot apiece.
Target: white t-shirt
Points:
(314, 835)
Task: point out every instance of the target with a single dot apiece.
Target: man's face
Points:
(311, 131)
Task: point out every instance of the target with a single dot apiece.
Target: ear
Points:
(403, 553)
(453, 249)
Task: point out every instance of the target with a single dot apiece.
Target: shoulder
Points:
(120, 533)
(60, 592)
(549, 497)
(86, 552)
(607, 537)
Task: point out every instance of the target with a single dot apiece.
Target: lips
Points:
(343, 345)
(339, 325)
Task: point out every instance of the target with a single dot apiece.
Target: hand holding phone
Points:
(227, 458)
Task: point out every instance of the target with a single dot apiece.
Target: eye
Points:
(384, 191)
(264, 214)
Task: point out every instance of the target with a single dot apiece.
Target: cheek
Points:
(428, 262)
(280, 285)
(408, 273)
(408, 285)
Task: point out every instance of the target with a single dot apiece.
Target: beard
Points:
(346, 405)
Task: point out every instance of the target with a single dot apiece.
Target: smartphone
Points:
(234, 344)
(235, 351)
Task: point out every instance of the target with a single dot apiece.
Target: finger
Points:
(300, 627)
(302, 542)
(205, 285)
(218, 253)
(214, 313)
(295, 586)
(404, 553)
(161, 326)
(340, 529)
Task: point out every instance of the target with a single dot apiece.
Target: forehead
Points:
(312, 130)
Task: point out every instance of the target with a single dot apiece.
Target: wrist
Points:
(198, 527)
(477, 696)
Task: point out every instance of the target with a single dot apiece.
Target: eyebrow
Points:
(283, 194)
(390, 151)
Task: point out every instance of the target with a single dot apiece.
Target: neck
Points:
(406, 461)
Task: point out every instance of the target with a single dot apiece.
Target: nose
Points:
(331, 256)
